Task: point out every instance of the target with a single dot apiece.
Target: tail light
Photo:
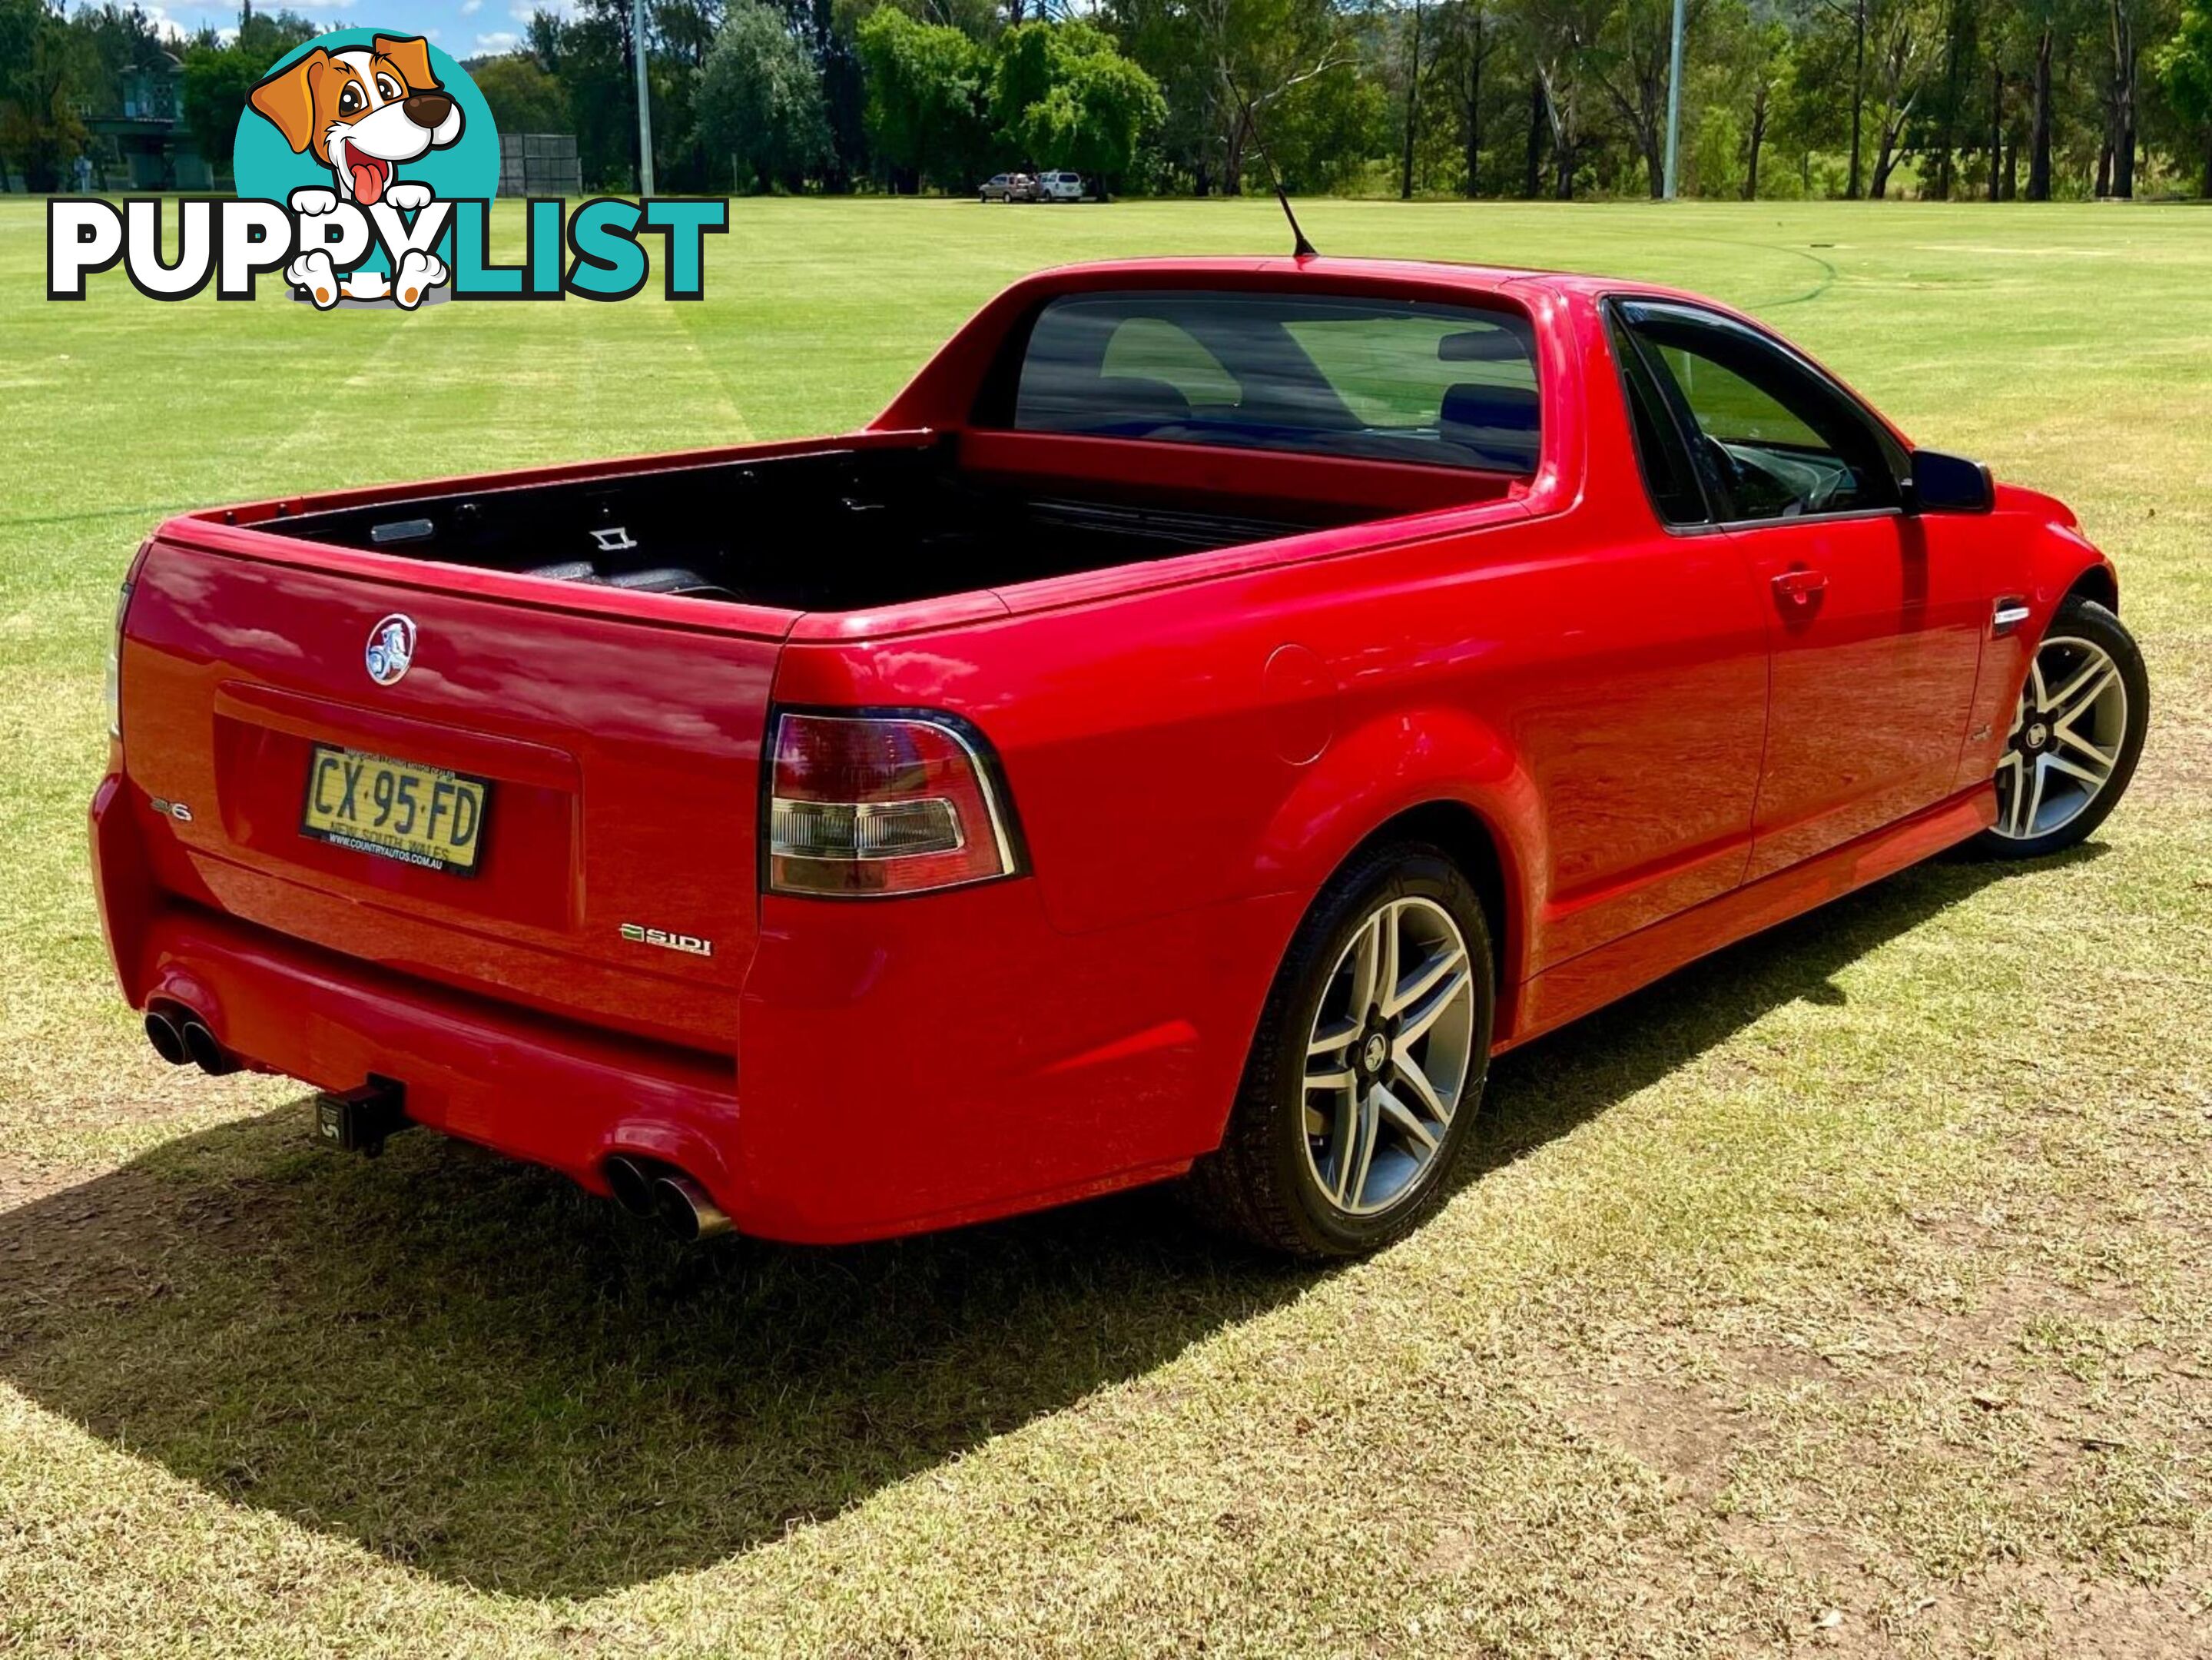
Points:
(113, 689)
(879, 804)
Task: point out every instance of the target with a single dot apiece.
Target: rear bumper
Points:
(907, 1065)
(532, 1087)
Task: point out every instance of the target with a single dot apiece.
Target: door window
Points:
(1773, 437)
(1670, 475)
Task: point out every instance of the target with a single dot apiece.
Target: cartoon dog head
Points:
(361, 112)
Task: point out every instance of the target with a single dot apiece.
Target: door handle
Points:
(1800, 587)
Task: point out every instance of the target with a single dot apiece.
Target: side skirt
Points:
(1596, 978)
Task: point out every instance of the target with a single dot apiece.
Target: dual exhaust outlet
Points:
(640, 1186)
(182, 1038)
(666, 1194)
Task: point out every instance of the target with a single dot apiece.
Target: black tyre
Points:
(2077, 734)
(1367, 1068)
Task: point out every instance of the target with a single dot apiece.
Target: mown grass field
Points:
(1851, 1292)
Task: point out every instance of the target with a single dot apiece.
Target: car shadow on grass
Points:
(469, 1366)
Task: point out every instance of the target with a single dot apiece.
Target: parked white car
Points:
(1060, 187)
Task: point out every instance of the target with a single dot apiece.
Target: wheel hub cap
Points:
(1389, 1054)
(2066, 738)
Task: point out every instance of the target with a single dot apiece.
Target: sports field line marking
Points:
(164, 508)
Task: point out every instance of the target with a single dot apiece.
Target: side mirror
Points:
(1949, 483)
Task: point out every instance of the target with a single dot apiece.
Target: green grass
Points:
(1851, 1290)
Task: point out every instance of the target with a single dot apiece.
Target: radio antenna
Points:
(1300, 248)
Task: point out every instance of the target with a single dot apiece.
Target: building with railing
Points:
(143, 142)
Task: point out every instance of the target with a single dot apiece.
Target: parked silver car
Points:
(1008, 187)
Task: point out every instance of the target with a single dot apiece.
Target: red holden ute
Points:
(1217, 707)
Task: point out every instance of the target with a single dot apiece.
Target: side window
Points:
(1774, 439)
(1669, 474)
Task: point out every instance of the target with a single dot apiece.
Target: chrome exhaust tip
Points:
(685, 1208)
(167, 1037)
(631, 1187)
(204, 1051)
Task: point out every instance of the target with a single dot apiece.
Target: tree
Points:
(1903, 43)
(123, 43)
(2184, 66)
(1852, 16)
(1628, 50)
(212, 93)
(1326, 133)
(217, 79)
(2121, 111)
(1734, 71)
(1062, 95)
(1232, 69)
(1029, 62)
(1557, 31)
(125, 55)
(928, 90)
(1415, 71)
(522, 96)
(2051, 96)
(1941, 106)
(1766, 66)
(1161, 37)
(1470, 41)
(589, 54)
(979, 20)
(759, 98)
(2022, 41)
(42, 67)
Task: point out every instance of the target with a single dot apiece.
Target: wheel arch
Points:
(1431, 775)
(1459, 831)
(2097, 583)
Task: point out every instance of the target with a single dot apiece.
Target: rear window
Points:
(1378, 379)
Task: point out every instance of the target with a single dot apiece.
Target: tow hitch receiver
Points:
(358, 1120)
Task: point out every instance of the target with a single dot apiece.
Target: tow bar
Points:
(360, 1120)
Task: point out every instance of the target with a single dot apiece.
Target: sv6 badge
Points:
(667, 942)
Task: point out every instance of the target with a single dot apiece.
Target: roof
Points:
(1429, 273)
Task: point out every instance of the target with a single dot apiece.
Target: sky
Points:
(463, 27)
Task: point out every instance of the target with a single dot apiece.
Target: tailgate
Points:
(602, 866)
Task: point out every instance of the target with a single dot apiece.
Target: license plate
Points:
(419, 815)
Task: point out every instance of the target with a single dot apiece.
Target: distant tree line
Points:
(1986, 100)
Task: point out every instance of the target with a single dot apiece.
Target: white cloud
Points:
(503, 40)
(164, 25)
(471, 8)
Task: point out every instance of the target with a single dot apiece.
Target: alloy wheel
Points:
(1388, 1056)
(2066, 738)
